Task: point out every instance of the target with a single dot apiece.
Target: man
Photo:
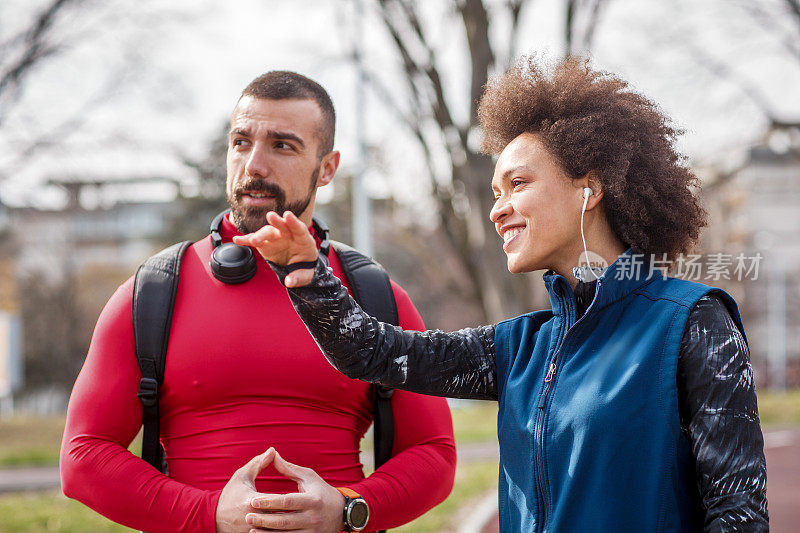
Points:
(243, 375)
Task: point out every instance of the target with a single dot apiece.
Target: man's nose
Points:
(257, 165)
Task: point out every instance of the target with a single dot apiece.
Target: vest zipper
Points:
(540, 416)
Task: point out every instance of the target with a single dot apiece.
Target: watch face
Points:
(359, 513)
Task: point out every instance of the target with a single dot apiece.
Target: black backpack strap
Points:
(154, 290)
(372, 289)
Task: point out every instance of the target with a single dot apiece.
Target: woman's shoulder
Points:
(683, 292)
(707, 305)
(522, 328)
(534, 317)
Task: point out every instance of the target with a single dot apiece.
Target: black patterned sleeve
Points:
(718, 410)
(457, 365)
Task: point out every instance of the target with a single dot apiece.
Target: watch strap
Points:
(348, 493)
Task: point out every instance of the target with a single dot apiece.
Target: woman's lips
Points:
(510, 235)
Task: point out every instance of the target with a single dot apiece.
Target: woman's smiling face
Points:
(537, 208)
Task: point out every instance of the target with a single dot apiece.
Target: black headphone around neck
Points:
(234, 264)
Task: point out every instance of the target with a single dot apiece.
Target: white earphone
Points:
(587, 192)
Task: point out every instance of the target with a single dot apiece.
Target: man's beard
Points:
(249, 218)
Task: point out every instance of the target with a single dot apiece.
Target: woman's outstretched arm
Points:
(458, 365)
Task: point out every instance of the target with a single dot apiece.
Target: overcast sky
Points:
(152, 80)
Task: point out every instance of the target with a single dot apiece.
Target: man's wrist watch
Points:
(356, 511)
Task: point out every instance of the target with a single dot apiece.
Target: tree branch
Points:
(476, 23)
(462, 205)
(443, 196)
(515, 10)
(769, 24)
(441, 111)
(36, 46)
(385, 95)
(436, 103)
(569, 22)
(794, 7)
(591, 24)
(723, 70)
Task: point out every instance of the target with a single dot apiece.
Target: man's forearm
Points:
(108, 478)
(420, 474)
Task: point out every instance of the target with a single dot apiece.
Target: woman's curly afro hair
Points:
(592, 122)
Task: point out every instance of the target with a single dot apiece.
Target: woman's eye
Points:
(283, 146)
(516, 183)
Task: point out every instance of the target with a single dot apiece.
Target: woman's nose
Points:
(500, 209)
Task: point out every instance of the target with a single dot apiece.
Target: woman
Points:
(630, 405)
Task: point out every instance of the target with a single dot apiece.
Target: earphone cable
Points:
(583, 238)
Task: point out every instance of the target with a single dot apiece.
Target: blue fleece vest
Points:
(588, 423)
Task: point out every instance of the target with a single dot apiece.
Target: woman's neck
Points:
(600, 240)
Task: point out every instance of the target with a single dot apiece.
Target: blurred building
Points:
(754, 204)
(58, 266)
(75, 236)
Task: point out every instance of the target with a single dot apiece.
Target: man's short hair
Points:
(283, 85)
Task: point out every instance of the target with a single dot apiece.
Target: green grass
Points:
(475, 421)
(39, 512)
(30, 441)
(52, 512)
(472, 482)
(36, 441)
(779, 408)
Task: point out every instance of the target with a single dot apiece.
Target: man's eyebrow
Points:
(271, 134)
(286, 135)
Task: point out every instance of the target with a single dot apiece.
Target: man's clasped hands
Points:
(316, 506)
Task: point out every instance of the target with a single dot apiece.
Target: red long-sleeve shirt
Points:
(242, 374)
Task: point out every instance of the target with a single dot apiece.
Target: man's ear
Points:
(327, 168)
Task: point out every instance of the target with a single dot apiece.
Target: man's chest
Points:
(246, 343)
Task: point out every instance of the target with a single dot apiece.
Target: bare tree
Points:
(463, 200)
(580, 25)
(25, 49)
(46, 44)
(461, 192)
(192, 214)
(772, 30)
(753, 32)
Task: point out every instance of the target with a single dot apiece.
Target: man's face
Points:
(273, 161)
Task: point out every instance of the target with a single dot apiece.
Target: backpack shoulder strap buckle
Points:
(148, 391)
(384, 392)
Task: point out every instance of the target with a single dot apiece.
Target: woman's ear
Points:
(592, 181)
